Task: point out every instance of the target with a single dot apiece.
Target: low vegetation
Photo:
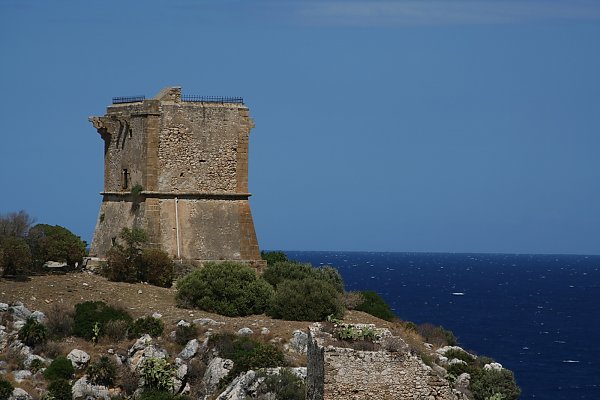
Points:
(91, 318)
(227, 288)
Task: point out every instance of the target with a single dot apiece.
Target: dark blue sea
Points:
(538, 315)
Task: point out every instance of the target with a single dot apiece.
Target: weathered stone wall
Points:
(190, 153)
(345, 373)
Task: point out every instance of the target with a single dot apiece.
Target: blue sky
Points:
(450, 126)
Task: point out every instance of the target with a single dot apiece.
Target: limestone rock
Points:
(20, 394)
(493, 367)
(299, 342)
(462, 382)
(190, 349)
(184, 323)
(140, 344)
(19, 311)
(21, 375)
(215, 370)
(246, 385)
(39, 316)
(245, 332)
(206, 321)
(84, 389)
(3, 307)
(150, 351)
(265, 331)
(78, 358)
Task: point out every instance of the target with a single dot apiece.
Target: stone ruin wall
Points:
(345, 373)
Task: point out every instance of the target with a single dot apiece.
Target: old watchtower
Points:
(177, 167)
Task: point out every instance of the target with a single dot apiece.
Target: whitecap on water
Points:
(570, 361)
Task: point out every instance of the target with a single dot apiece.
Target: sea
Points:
(537, 315)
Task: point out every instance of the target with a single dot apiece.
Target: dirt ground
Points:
(140, 300)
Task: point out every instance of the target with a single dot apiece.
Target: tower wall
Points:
(191, 159)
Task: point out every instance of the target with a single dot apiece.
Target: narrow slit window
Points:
(125, 178)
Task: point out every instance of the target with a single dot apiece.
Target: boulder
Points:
(20, 394)
(84, 389)
(184, 323)
(265, 331)
(190, 349)
(493, 367)
(78, 358)
(206, 321)
(140, 344)
(137, 360)
(462, 382)
(246, 385)
(21, 375)
(299, 342)
(3, 307)
(39, 316)
(245, 332)
(216, 369)
(19, 311)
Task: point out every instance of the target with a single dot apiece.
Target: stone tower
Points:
(177, 167)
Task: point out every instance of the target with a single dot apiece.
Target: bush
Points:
(273, 257)
(282, 271)
(55, 243)
(487, 383)
(115, 330)
(59, 321)
(156, 268)
(227, 288)
(60, 368)
(33, 333)
(158, 374)
(16, 259)
(119, 267)
(246, 354)
(103, 372)
(185, 333)
(6, 389)
(352, 300)
(123, 261)
(88, 313)
(375, 305)
(308, 299)
(436, 335)
(15, 224)
(285, 385)
(60, 390)
(150, 325)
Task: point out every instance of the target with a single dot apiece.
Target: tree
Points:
(16, 258)
(55, 243)
(15, 224)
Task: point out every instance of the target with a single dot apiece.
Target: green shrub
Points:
(273, 257)
(60, 390)
(88, 313)
(158, 374)
(459, 368)
(59, 368)
(226, 288)
(119, 267)
(290, 270)
(436, 335)
(285, 386)
(185, 333)
(6, 389)
(487, 383)
(55, 243)
(375, 305)
(308, 299)
(246, 354)
(102, 372)
(36, 365)
(124, 260)
(115, 330)
(150, 325)
(156, 268)
(16, 258)
(33, 332)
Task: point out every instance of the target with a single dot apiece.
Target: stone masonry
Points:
(178, 168)
(349, 374)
